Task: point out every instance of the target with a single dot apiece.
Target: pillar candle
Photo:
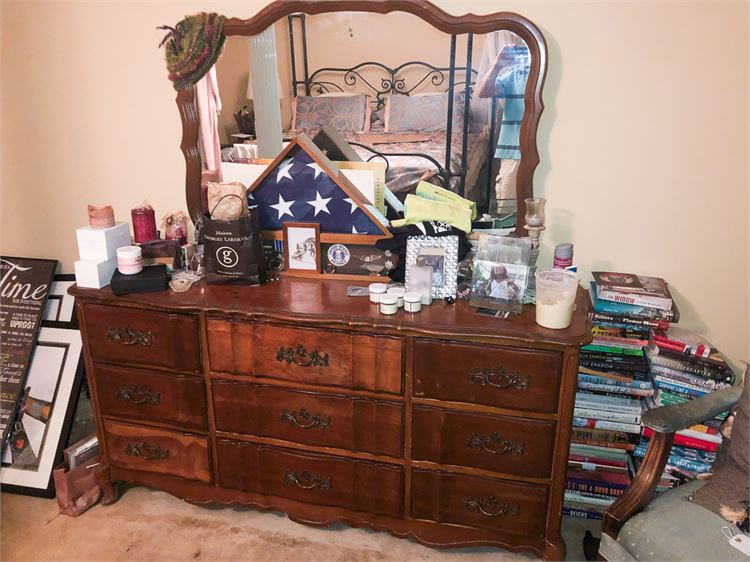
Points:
(101, 217)
(144, 223)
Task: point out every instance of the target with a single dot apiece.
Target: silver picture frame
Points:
(440, 252)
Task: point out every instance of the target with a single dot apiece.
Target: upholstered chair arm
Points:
(681, 416)
(665, 421)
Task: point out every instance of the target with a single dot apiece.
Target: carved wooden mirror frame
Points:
(469, 23)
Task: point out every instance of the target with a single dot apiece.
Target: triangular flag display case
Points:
(301, 185)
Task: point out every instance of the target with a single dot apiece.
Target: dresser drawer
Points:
(150, 396)
(306, 355)
(157, 450)
(356, 424)
(482, 374)
(499, 443)
(311, 478)
(139, 337)
(479, 502)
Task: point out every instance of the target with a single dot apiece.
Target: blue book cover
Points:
(672, 387)
(676, 460)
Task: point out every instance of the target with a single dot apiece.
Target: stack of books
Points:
(685, 366)
(614, 382)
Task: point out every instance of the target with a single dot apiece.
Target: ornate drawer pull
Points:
(129, 336)
(300, 357)
(318, 420)
(499, 378)
(490, 507)
(307, 481)
(138, 396)
(146, 451)
(495, 444)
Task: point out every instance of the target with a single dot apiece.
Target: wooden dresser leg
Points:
(110, 490)
(554, 550)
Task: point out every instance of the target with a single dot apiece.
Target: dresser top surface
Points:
(321, 301)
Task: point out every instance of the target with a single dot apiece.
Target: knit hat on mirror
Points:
(192, 47)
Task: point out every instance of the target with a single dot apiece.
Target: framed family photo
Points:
(302, 247)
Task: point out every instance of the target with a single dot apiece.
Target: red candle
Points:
(144, 223)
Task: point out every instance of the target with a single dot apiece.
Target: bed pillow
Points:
(422, 112)
(342, 112)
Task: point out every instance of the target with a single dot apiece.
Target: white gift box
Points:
(101, 244)
(94, 274)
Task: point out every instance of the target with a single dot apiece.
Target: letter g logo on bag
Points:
(227, 256)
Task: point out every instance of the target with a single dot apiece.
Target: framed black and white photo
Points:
(302, 247)
(59, 311)
(441, 254)
(45, 412)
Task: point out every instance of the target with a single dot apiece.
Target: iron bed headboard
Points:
(394, 81)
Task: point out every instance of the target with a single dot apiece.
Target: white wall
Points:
(644, 142)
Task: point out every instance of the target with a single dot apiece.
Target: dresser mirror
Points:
(450, 99)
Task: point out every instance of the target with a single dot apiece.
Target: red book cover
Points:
(685, 441)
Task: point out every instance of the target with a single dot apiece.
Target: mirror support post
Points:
(467, 110)
(449, 124)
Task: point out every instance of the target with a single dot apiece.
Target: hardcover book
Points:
(631, 283)
(635, 311)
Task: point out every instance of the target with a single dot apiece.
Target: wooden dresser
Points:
(444, 426)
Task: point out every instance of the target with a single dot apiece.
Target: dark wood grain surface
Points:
(468, 500)
(510, 445)
(437, 425)
(142, 337)
(325, 303)
(367, 362)
(148, 396)
(504, 377)
(356, 424)
(318, 479)
(157, 450)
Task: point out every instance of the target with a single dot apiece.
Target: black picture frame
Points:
(60, 311)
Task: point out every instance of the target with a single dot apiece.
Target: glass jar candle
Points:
(175, 227)
(144, 223)
(129, 260)
(377, 290)
(412, 302)
(535, 211)
(397, 292)
(388, 304)
(420, 281)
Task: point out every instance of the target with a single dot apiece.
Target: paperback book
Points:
(633, 289)
(625, 321)
(635, 311)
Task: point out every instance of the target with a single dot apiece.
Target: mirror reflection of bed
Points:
(384, 82)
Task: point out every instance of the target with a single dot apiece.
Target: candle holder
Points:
(534, 224)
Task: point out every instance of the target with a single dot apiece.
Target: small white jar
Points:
(377, 290)
(129, 260)
(388, 304)
(397, 292)
(412, 302)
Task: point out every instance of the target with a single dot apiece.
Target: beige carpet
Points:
(151, 525)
